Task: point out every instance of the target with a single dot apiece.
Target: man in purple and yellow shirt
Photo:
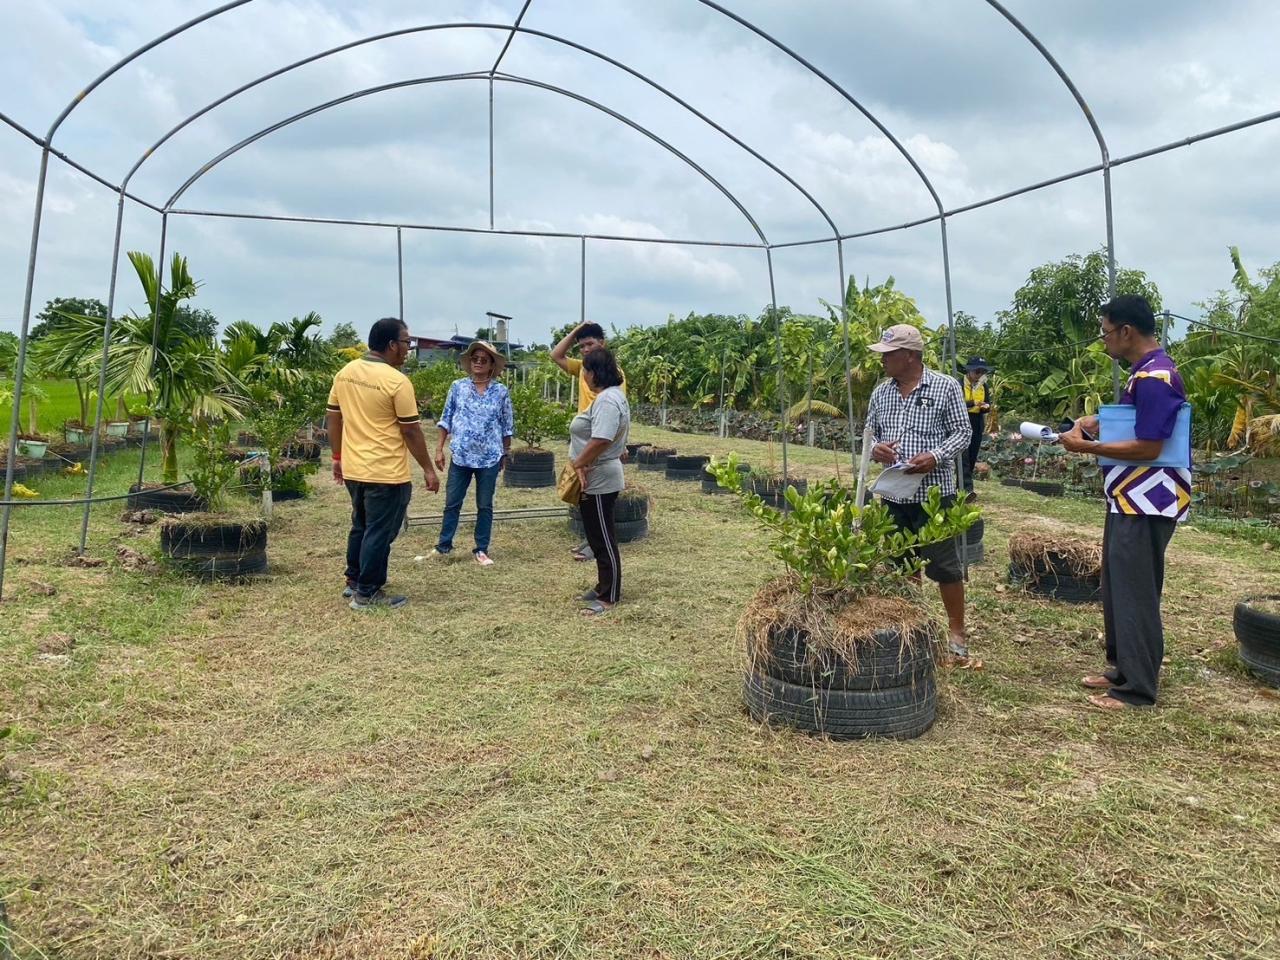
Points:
(1144, 505)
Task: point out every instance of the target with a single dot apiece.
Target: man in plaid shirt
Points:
(918, 416)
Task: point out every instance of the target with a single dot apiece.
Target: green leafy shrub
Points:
(431, 385)
(213, 470)
(832, 546)
(538, 419)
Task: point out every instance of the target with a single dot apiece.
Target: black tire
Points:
(899, 713)
(883, 662)
(178, 539)
(633, 449)
(632, 508)
(654, 458)
(971, 542)
(774, 494)
(682, 461)
(1258, 634)
(515, 478)
(627, 530)
(1066, 588)
(235, 566)
(1010, 482)
(303, 450)
(531, 461)
(684, 476)
(166, 501)
(1046, 488)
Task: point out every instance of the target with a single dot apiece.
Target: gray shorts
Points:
(942, 559)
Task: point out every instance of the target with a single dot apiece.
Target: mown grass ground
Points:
(255, 771)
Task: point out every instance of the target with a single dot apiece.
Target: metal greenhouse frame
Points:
(492, 77)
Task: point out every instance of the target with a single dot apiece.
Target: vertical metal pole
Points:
(490, 151)
(400, 272)
(848, 362)
(102, 376)
(950, 362)
(155, 334)
(1111, 262)
(582, 277)
(782, 378)
(21, 363)
(722, 430)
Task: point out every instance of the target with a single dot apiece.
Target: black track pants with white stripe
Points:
(597, 518)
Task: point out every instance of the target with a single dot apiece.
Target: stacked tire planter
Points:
(773, 492)
(1046, 488)
(633, 449)
(179, 500)
(687, 467)
(285, 474)
(1054, 575)
(630, 516)
(303, 450)
(890, 691)
(653, 458)
(1258, 634)
(709, 484)
(530, 467)
(211, 550)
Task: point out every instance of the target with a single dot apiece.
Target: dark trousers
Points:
(1133, 550)
(455, 492)
(977, 421)
(377, 514)
(597, 518)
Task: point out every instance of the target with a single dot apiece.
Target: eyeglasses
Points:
(1103, 333)
(407, 343)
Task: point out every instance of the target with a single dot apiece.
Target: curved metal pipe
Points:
(126, 60)
(871, 117)
(421, 81)
(1102, 149)
(429, 28)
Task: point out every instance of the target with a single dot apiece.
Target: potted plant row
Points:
(841, 643)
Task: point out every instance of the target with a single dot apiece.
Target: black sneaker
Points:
(348, 592)
(379, 599)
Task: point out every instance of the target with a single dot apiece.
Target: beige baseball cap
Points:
(901, 336)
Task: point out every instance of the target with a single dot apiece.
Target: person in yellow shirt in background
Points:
(588, 337)
(373, 426)
(977, 400)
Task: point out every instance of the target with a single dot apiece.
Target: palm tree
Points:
(184, 377)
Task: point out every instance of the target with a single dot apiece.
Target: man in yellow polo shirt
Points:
(588, 337)
(373, 426)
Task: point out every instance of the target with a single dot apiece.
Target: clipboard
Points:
(1116, 421)
(894, 483)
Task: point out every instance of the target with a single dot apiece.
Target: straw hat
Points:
(499, 361)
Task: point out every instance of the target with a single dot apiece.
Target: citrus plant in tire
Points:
(841, 643)
(221, 543)
(537, 420)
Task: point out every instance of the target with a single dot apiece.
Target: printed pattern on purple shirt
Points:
(1156, 389)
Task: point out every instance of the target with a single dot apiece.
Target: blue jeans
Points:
(377, 514)
(455, 492)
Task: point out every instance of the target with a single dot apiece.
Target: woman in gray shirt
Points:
(597, 440)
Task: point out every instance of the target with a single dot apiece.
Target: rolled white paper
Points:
(1036, 431)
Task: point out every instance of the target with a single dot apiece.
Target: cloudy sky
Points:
(968, 97)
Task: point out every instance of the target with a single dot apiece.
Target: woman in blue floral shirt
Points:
(478, 422)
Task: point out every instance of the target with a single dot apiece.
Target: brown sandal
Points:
(1097, 681)
(1104, 701)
